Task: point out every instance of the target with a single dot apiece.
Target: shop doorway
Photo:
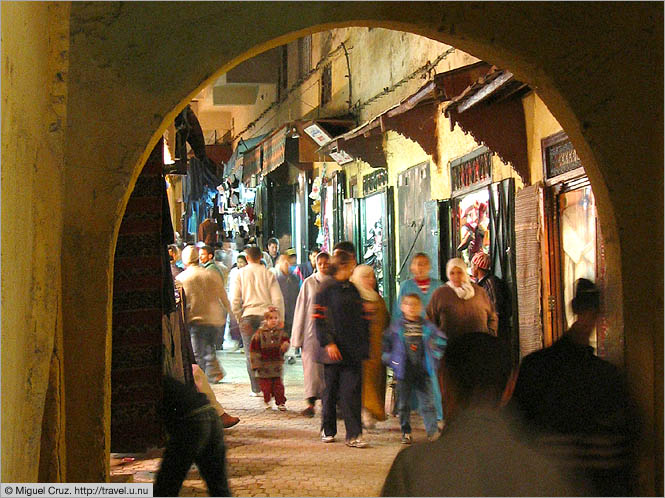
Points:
(376, 240)
(418, 219)
(574, 242)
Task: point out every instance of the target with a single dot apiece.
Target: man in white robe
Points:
(303, 334)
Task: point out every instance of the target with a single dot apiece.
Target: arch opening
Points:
(517, 45)
(607, 218)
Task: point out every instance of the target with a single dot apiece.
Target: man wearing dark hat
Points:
(496, 290)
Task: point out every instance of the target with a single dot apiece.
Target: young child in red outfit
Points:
(266, 356)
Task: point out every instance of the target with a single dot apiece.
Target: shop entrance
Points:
(575, 246)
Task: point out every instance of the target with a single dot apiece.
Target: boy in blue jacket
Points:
(412, 347)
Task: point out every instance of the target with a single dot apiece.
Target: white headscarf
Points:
(465, 291)
(359, 273)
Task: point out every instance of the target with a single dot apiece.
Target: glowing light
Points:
(167, 155)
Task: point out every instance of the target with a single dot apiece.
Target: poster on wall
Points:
(373, 237)
(472, 225)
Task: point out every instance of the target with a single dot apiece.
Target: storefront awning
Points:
(235, 163)
(491, 111)
(251, 163)
(273, 150)
(295, 142)
(314, 134)
(416, 118)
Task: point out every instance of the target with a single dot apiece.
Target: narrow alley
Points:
(367, 178)
(271, 453)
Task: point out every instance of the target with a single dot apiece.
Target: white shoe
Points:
(356, 443)
(327, 439)
(281, 408)
(252, 394)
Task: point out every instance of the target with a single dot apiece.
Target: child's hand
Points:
(285, 347)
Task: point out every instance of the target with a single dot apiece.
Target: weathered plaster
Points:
(539, 124)
(133, 66)
(33, 119)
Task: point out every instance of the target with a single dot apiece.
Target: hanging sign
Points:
(341, 157)
(318, 135)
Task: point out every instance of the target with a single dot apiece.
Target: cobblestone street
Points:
(273, 453)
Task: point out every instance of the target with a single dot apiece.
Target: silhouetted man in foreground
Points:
(577, 406)
(476, 454)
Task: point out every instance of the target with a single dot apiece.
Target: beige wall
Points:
(129, 64)
(34, 99)
(378, 58)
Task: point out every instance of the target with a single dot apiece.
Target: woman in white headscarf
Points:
(374, 371)
(461, 306)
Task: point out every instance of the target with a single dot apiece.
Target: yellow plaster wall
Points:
(378, 58)
(34, 99)
(539, 124)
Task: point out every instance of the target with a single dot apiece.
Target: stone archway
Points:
(129, 64)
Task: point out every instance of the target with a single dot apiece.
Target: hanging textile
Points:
(139, 302)
(251, 163)
(273, 149)
(528, 269)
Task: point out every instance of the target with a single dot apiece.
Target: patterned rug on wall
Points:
(136, 367)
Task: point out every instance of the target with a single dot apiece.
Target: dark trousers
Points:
(203, 344)
(272, 386)
(422, 389)
(343, 384)
(248, 326)
(197, 439)
(234, 329)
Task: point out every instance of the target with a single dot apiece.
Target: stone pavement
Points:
(273, 453)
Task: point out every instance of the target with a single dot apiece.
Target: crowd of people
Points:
(561, 424)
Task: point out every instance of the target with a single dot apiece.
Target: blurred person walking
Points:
(204, 315)
(577, 405)
(424, 285)
(207, 261)
(374, 371)
(477, 453)
(203, 386)
(342, 331)
(289, 284)
(234, 328)
(304, 333)
(195, 436)
(254, 291)
(413, 347)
